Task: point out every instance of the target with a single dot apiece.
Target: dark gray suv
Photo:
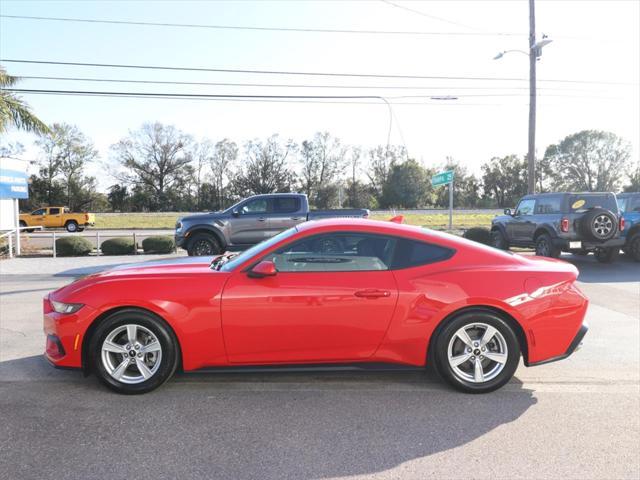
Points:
(562, 222)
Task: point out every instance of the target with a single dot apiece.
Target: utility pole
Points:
(533, 57)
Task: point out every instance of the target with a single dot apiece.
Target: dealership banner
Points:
(13, 179)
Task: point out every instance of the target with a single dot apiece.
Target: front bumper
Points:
(574, 346)
(64, 334)
(564, 243)
(181, 240)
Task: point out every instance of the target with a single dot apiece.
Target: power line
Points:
(282, 85)
(297, 73)
(262, 29)
(432, 17)
(385, 99)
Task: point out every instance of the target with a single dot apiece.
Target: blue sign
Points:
(13, 184)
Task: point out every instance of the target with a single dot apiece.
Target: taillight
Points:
(621, 224)
(86, 217)
(564, 225)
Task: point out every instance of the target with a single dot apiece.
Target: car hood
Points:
(177, 267)
(201, 217)
(501, 218)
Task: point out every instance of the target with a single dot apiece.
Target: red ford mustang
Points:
(346, 292)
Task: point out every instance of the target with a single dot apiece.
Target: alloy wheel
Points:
(131, 354)
(602, 225)
(477, 353)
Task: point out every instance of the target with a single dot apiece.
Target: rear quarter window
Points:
(412, 253)
(582, 203)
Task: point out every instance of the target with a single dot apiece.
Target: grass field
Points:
(168, 220)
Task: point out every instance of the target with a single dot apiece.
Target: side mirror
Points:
(235, 213)
(507, 211)
(265, 268)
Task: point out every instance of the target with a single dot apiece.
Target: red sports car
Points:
(348, 292)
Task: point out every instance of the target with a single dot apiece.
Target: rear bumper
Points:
(563, 243)
(574, 346)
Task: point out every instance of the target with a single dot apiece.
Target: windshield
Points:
(256, 250)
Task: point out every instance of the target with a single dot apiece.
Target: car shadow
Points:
(247, 425)
(623, 269)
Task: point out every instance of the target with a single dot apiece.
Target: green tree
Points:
(14, 111)
(466, 187)
(381, 161)
(118, 198)
(407, 185)
(590, 160)
(505, 180)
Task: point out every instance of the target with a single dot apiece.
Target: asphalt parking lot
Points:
(575, 419)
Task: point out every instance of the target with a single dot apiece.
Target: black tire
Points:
(446, 338)
(71, 226)
(203, 244)
(24, 224)
(599, 224)
(169, 354)
(498, 240)
(606, 255)
(545, 246)
(633, 247)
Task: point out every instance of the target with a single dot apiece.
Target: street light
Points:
(534, 54)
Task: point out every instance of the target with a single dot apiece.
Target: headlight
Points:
(65, 307)
(178, 226)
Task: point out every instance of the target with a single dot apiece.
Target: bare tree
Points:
(323, 161)
(224, 156)
(155, 157)
(266, 168)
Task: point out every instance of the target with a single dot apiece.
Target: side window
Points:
(411, 253)
(335, 252)
(526, 207)
(635, 204)
(41, 211)
(286, 205)
(54, 211)
(546, 205)
(255, 206)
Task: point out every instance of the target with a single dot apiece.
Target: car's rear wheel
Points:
(477, 352)
(498, 240)
(606, 255)
(71, 226)
(545, 246)
(633, 247)
(133, 351)
(203, 244)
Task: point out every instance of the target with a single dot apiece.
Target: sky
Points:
(588, 77)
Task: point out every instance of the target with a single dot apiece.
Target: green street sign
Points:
(442, 178)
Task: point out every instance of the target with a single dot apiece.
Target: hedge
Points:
(158, 244)
(479, 234)
(73, 246)
(117, 246)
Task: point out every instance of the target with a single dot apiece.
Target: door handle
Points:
(295, 218)
(372, 293)
(261, 219)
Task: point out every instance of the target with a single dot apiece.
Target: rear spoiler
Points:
(397, 219)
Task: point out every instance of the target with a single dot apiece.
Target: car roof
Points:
(549, 194)
(627, 194)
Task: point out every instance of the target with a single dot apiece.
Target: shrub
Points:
(479, 234)
(158, 244)
(117, 246)
(73, 246)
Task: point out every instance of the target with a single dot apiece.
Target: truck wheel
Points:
(71, 226)
(606, 255)
(498, 240)
(633, 247)
(203, 244)
(24, 224)
(545, 247)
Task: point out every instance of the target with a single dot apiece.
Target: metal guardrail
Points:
(57, 235)
(13, 232)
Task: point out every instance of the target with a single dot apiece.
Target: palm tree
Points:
(14, 111)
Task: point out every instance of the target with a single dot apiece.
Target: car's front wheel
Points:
(203, 244)
(477, 352)
(133, 351)
(498, 240)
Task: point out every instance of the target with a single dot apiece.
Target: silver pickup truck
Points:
(248, 222)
